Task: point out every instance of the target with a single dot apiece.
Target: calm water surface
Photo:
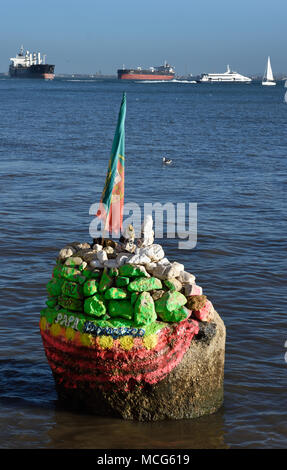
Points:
(229, 150)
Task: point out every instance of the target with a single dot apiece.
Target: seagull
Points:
(167, 161)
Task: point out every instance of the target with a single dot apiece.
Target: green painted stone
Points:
(57, 271)
(90, 287)
(52, 302)
(49, 313)
(72, 289)
(121, 323)
(169, 302)
(95, 306)
(70, 303)
(115, 293)
(105, 282)
(54, 287)
(176, 316)
(122, 281)
(72, 274)
(120, 308)
(129, 270)
(90, 274)
(173, 284)
(87, 273)
(134, 297)
(144, 309)
(113, 272)
(145, 284)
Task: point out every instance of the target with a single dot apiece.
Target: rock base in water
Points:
(193, 388)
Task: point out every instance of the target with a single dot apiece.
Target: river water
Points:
(229, 150)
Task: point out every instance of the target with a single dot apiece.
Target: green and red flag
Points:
(112, 200)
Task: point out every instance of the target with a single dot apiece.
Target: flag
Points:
(112, 200)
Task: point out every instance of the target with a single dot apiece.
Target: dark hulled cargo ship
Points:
(30, 65)
(163, 72)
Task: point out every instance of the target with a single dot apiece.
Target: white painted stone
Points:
(150, 267)
(161, 271)
(83, 265)
(123, 258)
(154, 252)
(139, 259)
(97, 247)
(164, 262)
(192, 289)
(186, 278)
(129, 233)
(66, 252)
(73, 261)
(147, 233)
(102, 256)
(175, 269)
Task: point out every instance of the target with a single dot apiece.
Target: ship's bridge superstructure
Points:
(27, 59)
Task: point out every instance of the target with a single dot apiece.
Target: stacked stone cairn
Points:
(129, 283)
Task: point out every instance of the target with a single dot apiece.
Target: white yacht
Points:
(228, 76)
(268, 78)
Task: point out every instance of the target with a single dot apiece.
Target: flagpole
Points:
(113, 193)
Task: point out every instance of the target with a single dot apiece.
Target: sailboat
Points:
(268, 78)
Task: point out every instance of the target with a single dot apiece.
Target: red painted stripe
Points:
(75, 365)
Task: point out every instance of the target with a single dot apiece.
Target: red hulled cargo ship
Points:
(163, 72)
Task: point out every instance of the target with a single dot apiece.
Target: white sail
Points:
(269, 74)
(268, 78)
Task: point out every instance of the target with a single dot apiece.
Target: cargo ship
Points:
(30, 65)
(163, 72)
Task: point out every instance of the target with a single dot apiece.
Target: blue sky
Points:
(195, 36)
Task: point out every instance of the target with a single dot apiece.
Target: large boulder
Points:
(191, 389)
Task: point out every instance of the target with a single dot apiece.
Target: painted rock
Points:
(66, 252)
(105, 282)
(73, 261)
(72, 274)
(120, 308)
(54, 287)
(122, 281)
(72, 289)
(145, 284)
(102, 256)
(192, 289)
(170, 302)
(157, 294)
(90, 287)
(57, 271)
(182, 313)
(52, 302)
(70, 303)
(113, 272)
(186, 278)
(134, 296)
(154, 252)
(95, 306)
(206, 313)
(129, 270)
(144, 309)
(173, 284)
(115, 293)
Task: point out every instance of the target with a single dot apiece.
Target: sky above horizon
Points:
(193, 36)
